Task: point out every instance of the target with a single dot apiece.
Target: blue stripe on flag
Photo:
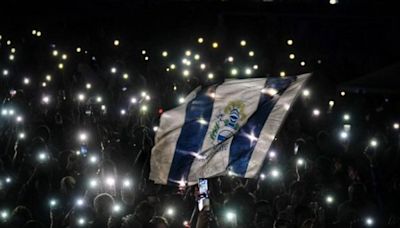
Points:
(192, 135)
(245, 140)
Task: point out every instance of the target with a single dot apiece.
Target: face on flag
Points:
(221, 129)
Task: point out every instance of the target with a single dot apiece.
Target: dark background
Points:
(351, 38)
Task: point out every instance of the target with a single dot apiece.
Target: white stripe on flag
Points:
(244, 90)
(273, 124)
(171, 123)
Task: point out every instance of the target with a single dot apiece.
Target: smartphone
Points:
(84, 150)
(204, 201)
(203, 188)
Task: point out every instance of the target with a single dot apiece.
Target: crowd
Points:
(71, 161)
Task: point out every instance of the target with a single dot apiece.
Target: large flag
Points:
(223, 128)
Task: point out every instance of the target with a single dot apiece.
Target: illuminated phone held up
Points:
(204, 201)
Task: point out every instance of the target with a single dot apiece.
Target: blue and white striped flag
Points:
(222, 128)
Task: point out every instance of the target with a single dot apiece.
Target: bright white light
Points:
(164, 53)
(8, 42)
(103, 107)
(343, 93)
(126, 183)
(4, 214)
(8, 179)
(202, 121)
(230, 216)
(306, 92)
(188, 53)
(252, 137)
(212, 95)
(215, 45)
(55, 53)
(93, 183)
(64, 56)
(117, 208)
(300, 162)
(262, 176)
(53, 202)
(302, 63)
(200, 40)
(170, 211)
(331, 103)
(93, 159)
(185, 223)
(196, 56)
(116, 42)
(172, 66)
(38, 33)
(396, 126)
(11, 57)
(143, 94)
(83, 137)
(60, 66)
(329, 199)
(255, 67)
(242, 43)
(133, 100)
(26, 81)
(210, 75)
(11, 112)
(181, 100)
(182, 183)
(234, 71)
(81, 221)
(34, 32)
(316, 112)
(344, 135)
(88, 86)
(147, 98)
(42, 156)
(46, 99)
(144, 108)
(230, 59)
(186, 73)
(48, 77)
(113, 70)
(333, 2)
(21, 135)
(146, 58)
(123, 111)
(369, 221)
(78, 49)
(99, 99)
(5, 72)
(81, 96)
(13, 50)
(292, 56)
(143, 52)
(248, 71)
(282, 73)
(110, 181)
(346, 117)
(202, 66)
(275, 173)
(373, 143)
(289, 42)
(269, 91)
(272, 154)
(251, 53)
(19, 119)
(155, 128)
(4, 112)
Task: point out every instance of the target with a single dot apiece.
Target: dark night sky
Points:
(352, 38)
